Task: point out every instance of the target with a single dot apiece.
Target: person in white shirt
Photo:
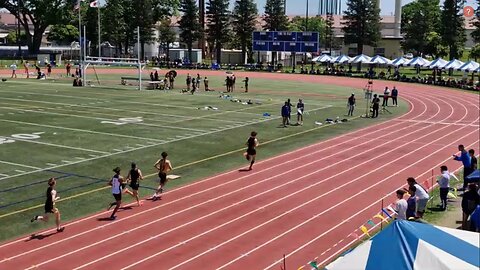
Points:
(386, 95)
(401, 205)
(13, 67)
(443, 182)
(421, 196)
(116, 183)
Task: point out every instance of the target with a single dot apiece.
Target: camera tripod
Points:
(368, 90)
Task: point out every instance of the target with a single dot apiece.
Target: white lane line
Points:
(317, 215)
(143, 225)
(51, 164)
(58, 145)
(439, 123)
(388, 128)
(300, 206)
(67, 161)
(19, 165)
(2, 174)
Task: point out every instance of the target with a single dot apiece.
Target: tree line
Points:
(428, 28)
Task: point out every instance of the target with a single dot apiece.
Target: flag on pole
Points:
(94, 4)
(78, 4)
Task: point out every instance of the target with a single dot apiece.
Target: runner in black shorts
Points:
(50, 205)
(134, 176)
(164, 166)
(252, 144)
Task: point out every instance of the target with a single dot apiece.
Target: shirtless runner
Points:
(163, 166)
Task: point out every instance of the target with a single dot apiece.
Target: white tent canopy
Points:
(417, 61)
(399, 61)
(362, 58)
(455, 64)
(378, 59)
(406, 245)
(438, 63)
(469, 66)
(340, 59)
(324, 58)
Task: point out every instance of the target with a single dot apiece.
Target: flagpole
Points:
(79, 3)
(99, 34)
(84, 55)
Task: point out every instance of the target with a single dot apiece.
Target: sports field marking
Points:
(93, 118)
(51, 164)
(19, 165)
(20, 171)
(440, 123)
(126, 151)
(79, 130)
(68, 105)
(223, 195)
(58, 145)
(412, 107)
(300, 206)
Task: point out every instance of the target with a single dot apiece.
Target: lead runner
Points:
(252, 144)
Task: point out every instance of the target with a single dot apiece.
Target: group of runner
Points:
(119, 184)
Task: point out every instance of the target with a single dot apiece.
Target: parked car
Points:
(408, 55)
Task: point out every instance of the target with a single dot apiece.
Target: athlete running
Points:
(163, 167)
(50, 205)
(116, 183)
(252, 144)
(134, 176)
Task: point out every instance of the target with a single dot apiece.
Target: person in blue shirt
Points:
(285, 114)
(467, 163)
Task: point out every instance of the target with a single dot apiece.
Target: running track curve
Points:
(304, 204)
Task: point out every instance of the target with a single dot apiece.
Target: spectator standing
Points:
(386, 94)
(26, 65)
(189, 82)
(68, 68)
(13, 67)
(289, 111)
(467, 163)
(205, 82)
(411, 202)
(470, 201)
(351, 104)
(401, 205)
(473, 160)
(443, 182)
(198, 80)
(300, 111)
(375, 106)
(246, 84)
(285, 112)
(421, 196)
(395, 96)
(49, 69)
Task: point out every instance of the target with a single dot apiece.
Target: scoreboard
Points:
(286, 41)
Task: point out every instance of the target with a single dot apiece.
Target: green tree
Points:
(274, 17)
(218, 25)
(63, 34)
(420, 24)
(329, 34)
(91, 25)
(12, 38)
(166, 36)
(244, 20)
(475, 52)
(190, 28)
(315, 24)
(40, 14)
(362, 23)
(114, 25)
(476, 24)
(453, 28)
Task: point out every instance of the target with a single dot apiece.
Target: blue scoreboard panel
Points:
(301, 42)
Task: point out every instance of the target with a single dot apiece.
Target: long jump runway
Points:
(303, 204)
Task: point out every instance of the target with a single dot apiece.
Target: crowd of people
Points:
(412, 201)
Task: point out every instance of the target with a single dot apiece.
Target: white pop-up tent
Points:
(469, 66)
(399, 61)
(378, 59)
(406, 245)
(342, 59)
(438, 63)
(322, 59)
(362, 58)
(453, 64)
(417, 61)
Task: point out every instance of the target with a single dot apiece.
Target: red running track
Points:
(303, 204)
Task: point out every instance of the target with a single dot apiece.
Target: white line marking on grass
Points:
(117, 150)
(3, 175)
(51, 164)
(101, 119)
(79, 158)
(10, 113)
(66, 161)
(140, 145)
(19, 165)
(57, 145)
(79, 130)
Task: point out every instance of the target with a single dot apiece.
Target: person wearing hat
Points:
(375, 106)
(116, 183)
(351, 104)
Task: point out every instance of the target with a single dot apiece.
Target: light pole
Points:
(18, 29)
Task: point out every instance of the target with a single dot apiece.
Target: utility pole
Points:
(18, 29)
(306, 29)
(201, 8)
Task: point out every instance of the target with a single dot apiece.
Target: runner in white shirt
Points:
(401, 205)
(116, 183)
(444, 184)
